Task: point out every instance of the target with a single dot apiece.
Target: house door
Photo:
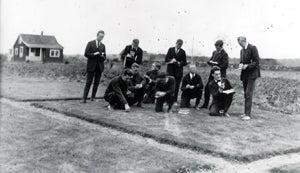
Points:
(43, 55)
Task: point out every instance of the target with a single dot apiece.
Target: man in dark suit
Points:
(191, 88)
(249, 64)
(151, 82)
(137, 85)
(132, 54)
(219, 58)
(165, 90)
(96, 55)
(176, 60)
(222, 93)
(116, 91)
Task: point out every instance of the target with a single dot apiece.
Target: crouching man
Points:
(191, 87)
(137, 86)
(222, 93)
(165, 91)
(116, 91)
(151, 82)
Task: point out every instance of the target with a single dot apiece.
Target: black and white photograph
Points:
(149, 86)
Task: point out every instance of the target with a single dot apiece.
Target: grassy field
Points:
(33, 142)
(237, 140)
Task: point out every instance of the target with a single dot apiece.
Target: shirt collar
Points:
(246, 45)
(192, 75)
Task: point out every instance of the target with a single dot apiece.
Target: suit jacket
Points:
(176, 70)
(168, 87)
(250, 56)
(222, 59)
(119, 87)
(214, 90)
(195, 81)
(137, 58)
(152, 75)
(94, 60)
(137, 78)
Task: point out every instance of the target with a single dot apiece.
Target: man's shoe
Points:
(204, 107)
(83, 101)
(139, 105)
(92, 99)
(245, 118)
(243, 115)
(226, 115)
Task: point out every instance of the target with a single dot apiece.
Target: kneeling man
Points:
(137, 86)
(222, 93)
(116, 91)
(191, 87)
(165, 91)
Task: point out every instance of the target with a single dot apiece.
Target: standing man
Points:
(132, 54)
(191, 88)
(249, 64)
(176, 60)
(116, 91)
(222, 93)
(219, 58)
(96, 55)
(165, 90)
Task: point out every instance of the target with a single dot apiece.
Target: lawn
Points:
(266, 135)
(33, 142)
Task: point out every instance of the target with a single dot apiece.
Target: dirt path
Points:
(222, 165)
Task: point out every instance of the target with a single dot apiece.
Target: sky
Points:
(272, 25)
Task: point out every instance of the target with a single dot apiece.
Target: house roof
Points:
(40, 41)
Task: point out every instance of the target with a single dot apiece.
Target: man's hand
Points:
(138, 86)
(96, 53)
(213, 62)
(244, 66)
(128, 56)
(192, 86)
(173, 60)
(159, 94)
(187, 86)
(127, 108)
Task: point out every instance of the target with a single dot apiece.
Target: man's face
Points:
(217, 75)
(135, 69)
(218, 48)
(178, 45)
(193, 69)
(242, 43)
(100, 37)
(126, 78)
(154, 67)
(135, 44)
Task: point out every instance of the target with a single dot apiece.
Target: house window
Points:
(54, 53)
(16, 51)
(32, 50)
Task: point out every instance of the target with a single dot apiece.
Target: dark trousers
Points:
(206, 92)
(248, 85)
(222, 104)
(185, 100)
(177, 85)
(89, 79)
(137, 95)
(114, 100)
(150, 91)
(169, 99)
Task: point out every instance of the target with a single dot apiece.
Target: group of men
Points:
(162, 88)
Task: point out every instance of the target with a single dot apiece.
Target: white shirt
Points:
(246, 45)
(192, 75)
(97, 43)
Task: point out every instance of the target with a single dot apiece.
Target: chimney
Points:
(42, 33)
